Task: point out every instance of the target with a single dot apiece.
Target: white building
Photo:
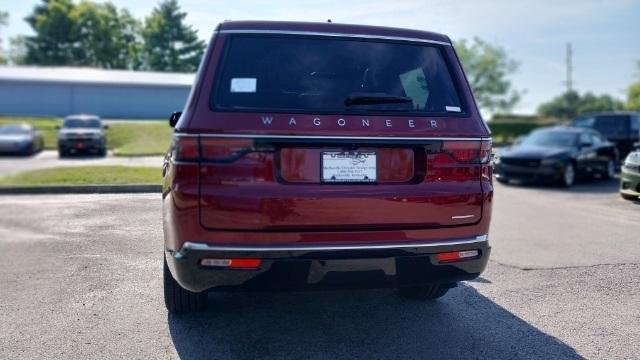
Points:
(118, 94)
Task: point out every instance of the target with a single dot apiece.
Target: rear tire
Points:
(628, 197)
(178, 299)
(425, 292)
(610, 172)
(568, 177)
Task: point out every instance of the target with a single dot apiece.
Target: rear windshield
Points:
(608, 125)
(612, 125)
(14, 129)
(297, 74)
(78, 123)
(551, 138)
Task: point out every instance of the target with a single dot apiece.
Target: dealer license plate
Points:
(347, 167)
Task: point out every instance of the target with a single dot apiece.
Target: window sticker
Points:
(244, 85)
(453, 108)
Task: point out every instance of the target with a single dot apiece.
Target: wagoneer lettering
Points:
(375, 169)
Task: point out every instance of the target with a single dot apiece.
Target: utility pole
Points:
(569, 81)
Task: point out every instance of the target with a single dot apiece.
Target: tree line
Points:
(101, 35)
(87, 33)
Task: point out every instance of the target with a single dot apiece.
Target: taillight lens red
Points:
(186, 148)
(459, 161)
(223, 149)
(190, 148)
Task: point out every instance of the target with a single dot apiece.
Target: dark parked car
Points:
(557, 154)
(621, 128)
(20, 139)
(82, 134)
(319, 155)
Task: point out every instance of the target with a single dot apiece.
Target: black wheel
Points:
(628, 197)
(30, 150)
(568, 175)
(610, 171)
(426, 292)
(178, 299)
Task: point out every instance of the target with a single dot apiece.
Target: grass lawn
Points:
(125, 139)
(86, 175)
(135, 139)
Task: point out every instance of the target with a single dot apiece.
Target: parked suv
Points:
(621, 128)
(320, 155)
(82, 134)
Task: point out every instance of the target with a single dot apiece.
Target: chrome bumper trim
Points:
(205, 247)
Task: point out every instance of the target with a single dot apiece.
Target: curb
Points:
(81, 189)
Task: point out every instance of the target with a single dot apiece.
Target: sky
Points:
(605, 35)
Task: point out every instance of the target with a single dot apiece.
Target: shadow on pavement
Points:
(374, 324)
(595, 186)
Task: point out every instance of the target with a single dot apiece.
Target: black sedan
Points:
(558, 155)
(20, 139)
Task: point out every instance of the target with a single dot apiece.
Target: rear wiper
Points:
(375, 98)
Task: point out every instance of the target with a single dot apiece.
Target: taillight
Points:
(193, 148)
(186, 148)
(459, 161)
(224, 149)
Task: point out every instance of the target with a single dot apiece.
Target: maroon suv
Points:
(321, 155)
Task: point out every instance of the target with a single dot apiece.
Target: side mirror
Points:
(173, 119)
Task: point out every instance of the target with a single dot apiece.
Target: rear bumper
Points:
(81, 145)
(630, 183)
(523, 174)
(325, 267)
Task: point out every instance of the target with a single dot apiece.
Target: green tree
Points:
(488, 67)
(633, 94)
(633, 97)
(4, 21)
(85, 34)
(571, 104)
(170, 44)
(106, 37)
(55, 41)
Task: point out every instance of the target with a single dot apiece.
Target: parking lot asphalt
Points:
(81, 278)
(49, 159)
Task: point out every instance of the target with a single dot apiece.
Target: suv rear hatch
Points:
(298, 142)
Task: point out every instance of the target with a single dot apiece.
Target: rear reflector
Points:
(457, 255)
(231, 263)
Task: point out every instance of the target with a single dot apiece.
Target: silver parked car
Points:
(20, 139)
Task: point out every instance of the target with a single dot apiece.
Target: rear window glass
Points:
(612, 125)
(77, 123)
(319, 74)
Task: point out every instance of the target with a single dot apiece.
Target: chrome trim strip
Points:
(321, 137)
(205, 247)
(329, 34)
(462, 217)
